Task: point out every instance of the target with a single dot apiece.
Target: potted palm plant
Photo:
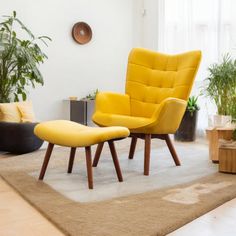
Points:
(187, 129)
(221, 89)
(234, 135)
(19, 60)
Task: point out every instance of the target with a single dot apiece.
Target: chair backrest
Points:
(153, 77)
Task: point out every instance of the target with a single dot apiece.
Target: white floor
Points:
(19, 218)
(219, 222)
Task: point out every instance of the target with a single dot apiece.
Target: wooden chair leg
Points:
(115, 160)
(89, 167)
(147, 151)
(46, 160)
(71, 161)
(97, 154)
(132, 147)
(172, 150)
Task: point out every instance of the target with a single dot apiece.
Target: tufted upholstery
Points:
(157, 88)
(153, 77)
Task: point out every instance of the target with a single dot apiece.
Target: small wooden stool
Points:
(71, 134)
(213, 135)
(227, 160)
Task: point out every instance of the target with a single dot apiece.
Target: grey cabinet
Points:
(81, 111)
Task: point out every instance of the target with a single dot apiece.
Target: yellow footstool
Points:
(71, 134)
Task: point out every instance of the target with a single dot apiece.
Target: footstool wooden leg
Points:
(71, 161)
(115, 160)
(46, 160)
(89, 167)
(97, 154)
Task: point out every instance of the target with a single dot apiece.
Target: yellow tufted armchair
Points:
(157, 90)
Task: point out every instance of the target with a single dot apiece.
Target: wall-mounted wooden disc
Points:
(82, 32)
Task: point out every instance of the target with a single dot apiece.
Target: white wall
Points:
(72, 69)
(150, 36)
(146, 23)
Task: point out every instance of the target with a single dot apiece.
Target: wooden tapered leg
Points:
(132, 147)
(89, 167)
(115, 160)
(46, 160)
(147, 151)
(97, 154)
(172, 150)
(71, 161)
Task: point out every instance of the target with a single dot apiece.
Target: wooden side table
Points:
(213, 135)
(227, 160)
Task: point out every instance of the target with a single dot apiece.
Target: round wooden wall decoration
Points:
(82, 32)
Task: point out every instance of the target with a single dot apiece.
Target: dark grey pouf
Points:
(18, 138)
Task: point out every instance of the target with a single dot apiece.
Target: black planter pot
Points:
(187, 128)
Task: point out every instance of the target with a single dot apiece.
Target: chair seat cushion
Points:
(72, 134)
(131, 122)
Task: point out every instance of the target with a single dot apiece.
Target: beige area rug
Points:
(163, 173)
(156, 212)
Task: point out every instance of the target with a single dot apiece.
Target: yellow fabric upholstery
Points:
(157, 90)
(26, 111)
(71, 134)
(106, 119)
(113, 103)
(9, 112)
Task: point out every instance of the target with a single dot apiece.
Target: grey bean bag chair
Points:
(18, 138)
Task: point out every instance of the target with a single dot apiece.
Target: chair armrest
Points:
(112, 103)
(169, 115)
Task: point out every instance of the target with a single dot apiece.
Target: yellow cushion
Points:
(9, 112)
(72, 134)
(152, 77)
(131, 122)
(161, 121)
(26, 111)
(107, 101)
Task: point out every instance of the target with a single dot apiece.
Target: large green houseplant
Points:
(221, 86)
(19, 60)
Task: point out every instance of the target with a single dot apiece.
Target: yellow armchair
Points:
(157, 90)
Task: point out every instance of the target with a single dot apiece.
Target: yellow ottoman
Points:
(71, 134)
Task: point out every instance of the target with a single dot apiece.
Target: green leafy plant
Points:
(192, 105)
(234, 135)
(221, 86)
(19, 60)
(92, 96)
